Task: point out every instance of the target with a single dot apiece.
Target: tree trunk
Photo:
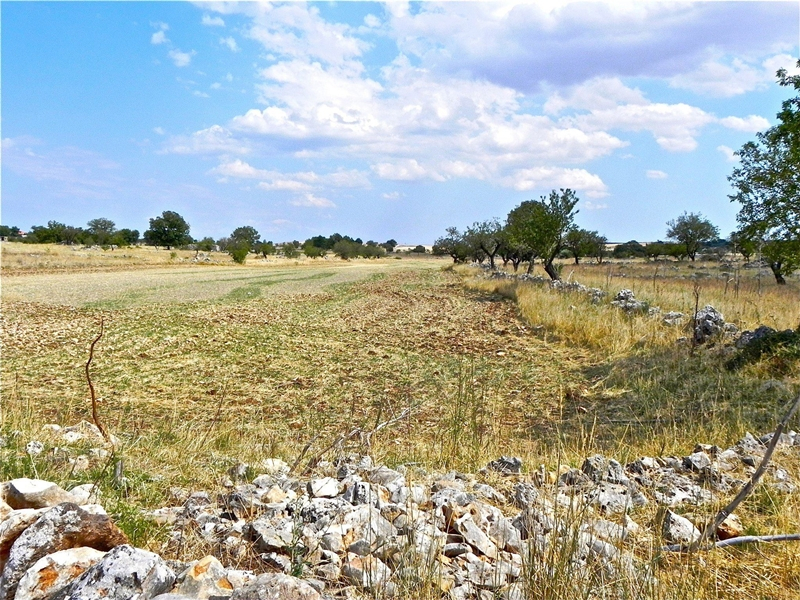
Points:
(577, 259)
(777, 270)
(550, 268)
(531, 264)
(491, 261)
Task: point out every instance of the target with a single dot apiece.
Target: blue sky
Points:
(382, 120)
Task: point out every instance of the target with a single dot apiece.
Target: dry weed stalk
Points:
(95, 416)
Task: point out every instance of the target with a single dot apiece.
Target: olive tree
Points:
(767, 185)
(170, 229)
(541, 226)
(692, 230)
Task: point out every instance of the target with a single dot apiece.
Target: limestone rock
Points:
(731, 527)
(276, 586)
(35, 493)
(123, 573)
(708, 323)
(204, 579)
(60, 528)
(506, 465)
(12, 527)
(326, 487)
(679, 530)
(55, 571)
(366, 571)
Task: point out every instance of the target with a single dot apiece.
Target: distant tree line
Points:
(170, 230)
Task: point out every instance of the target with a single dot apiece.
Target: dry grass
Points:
(202, 367)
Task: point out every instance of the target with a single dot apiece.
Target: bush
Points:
(238, 251)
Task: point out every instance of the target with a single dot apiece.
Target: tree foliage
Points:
(767, 185)
(692, 230)
(541, 225)
(169, 230)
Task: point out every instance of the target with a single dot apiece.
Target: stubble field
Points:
(204, 366)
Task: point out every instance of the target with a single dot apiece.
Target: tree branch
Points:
(95, 416)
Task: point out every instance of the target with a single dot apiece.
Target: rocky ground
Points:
(352, 529)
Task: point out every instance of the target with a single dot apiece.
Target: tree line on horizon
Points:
(170, 230)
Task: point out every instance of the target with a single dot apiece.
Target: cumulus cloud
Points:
(493, 41)
(158, 130)
(312, 201)
(724, 77)
(589, 205)
(179, 58)
(391, 195)
(540, 177)
(656, 174)
(210, 21)
(159, 37)
(751, 124)
(728, 153)
(214, 140)
(230, 43)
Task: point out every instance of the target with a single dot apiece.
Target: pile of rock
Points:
(710, 324)
(626, 300)
(354, 528)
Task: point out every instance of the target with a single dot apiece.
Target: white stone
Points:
(53, 572)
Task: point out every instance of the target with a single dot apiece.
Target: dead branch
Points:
(364, 436)
(95, 416)
(743, 493)
(739, 541)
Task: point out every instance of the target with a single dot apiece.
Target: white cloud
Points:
(674, 126)
(159, 37)
(526, 45)
(228, 77)
(159, 25)
(241, 170)
(179, 58)
(750, 124)
(655, 174)
(284, 185)
(215, 86)
(725, 77)
(405, 170)
(391, 195)
(297, 31)
(372, 21)
(728, 153)
(210, 21)
(200, 94)
(546, 177)
(312, 201)
(158, 130)
(214, 140)
(589, 205)
(597, 93)
(230, 43)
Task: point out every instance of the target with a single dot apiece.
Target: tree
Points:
(247, 235)
(453, 245)
(265, 248)
(238, 250)
(783, 258)
(101, 230)
(581, 242)
(313, 251)
(389, 245)
(125, 237)
(743, 244)
(767, 185)
(206, 244)
(9, 231)
(541, 225)
(691, 230)
(419, 249)
(487, 238)
(170, 229)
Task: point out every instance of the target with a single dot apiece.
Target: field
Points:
(204, 365)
